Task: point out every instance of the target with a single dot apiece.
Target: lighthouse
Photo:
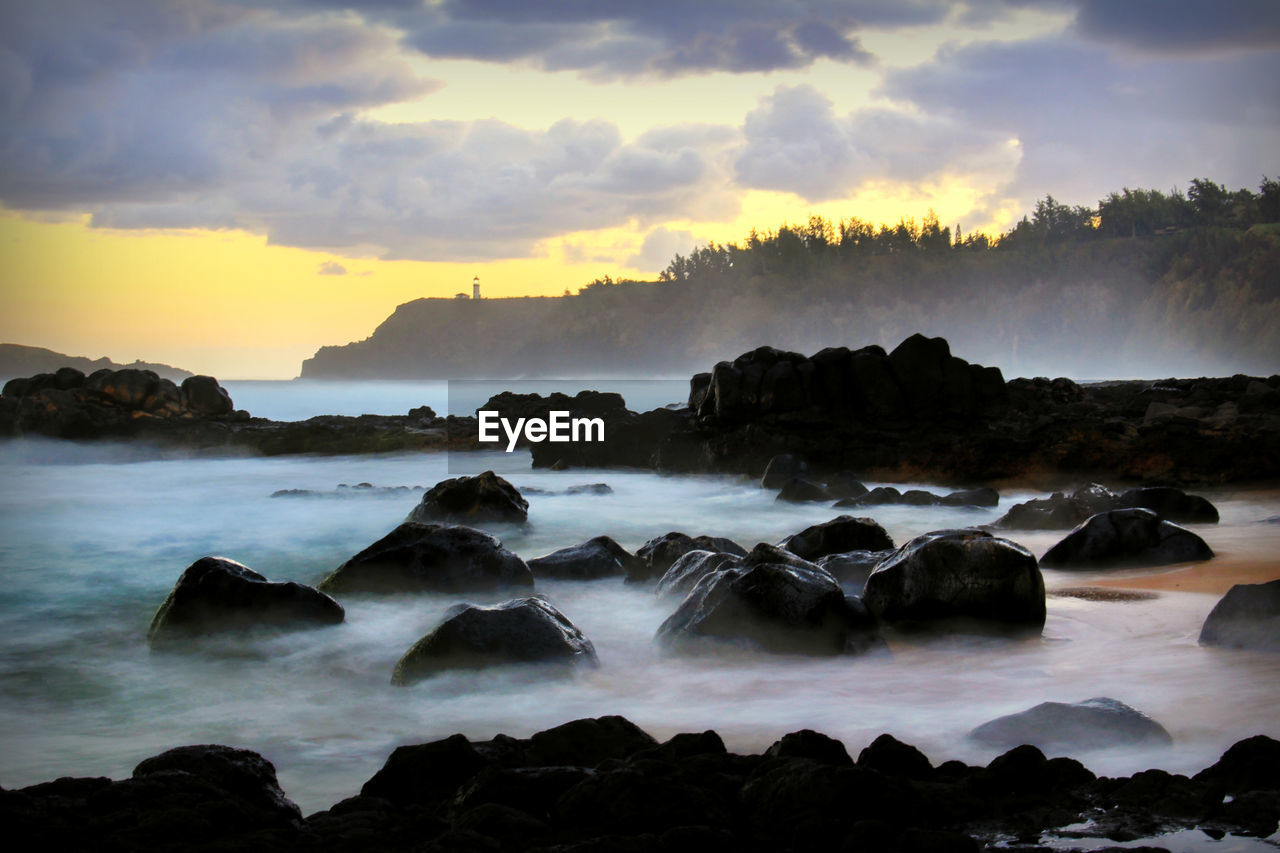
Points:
(475, 287)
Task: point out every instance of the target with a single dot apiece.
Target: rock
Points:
(1098, 723)
(657, 555)
(776, 607)
(241, 773)
(590, 489)
(67, 378)
(588, 742)
(204, 397)
(419, 557)
(958, 573)
(1126, 537)
(839, 535)
(800, 490)
(128, 388)
(217, 594)
(523, 630)
(812, 745)
(876, 497)
(692, 567)
(780, 469)
(599, 557)
(426, 773)
(1171, 504)
(892, 757)
(983, 496)
(1058, 511)
(472, 500)
(1252, 764)
(919, 497)
(1247, 617)
(852, 567)
(845, 484)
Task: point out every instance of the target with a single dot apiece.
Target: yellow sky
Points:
(229, 304)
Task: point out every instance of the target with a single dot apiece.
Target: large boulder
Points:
(599, 557)
(472, 500)
(128, 388)
(692, 567)
(656, 556)
(1059, 511)
(958, 573)
(1247, 617)
(1126, 537)
(418, 557)
(523, 630)
(204, 397)
(852, 567)
(776, 607)
(839, 535)
(217, 594)
(782, 468)
(1171, 504)
(1097, 723)
(242, 774)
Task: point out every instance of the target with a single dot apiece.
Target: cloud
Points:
(659, 247)
(1089, 121)
(332, 268)
(611, 38)
(1181, 26)
(796, 143)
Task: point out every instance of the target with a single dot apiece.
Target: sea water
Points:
(93, 537)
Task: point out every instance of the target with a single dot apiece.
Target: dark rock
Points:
(430, 558)
(588, 742)
(780, 469)
(878, 496)
(205, 397)
(892, 757)
(629, 802)
(800, 490)
(599, 557)
(958, 573)
(1058, 511)
(657, 555)
(533, 790)
(1126, 537)
(687, 745)
(217, 594)
(839, 535)
(1171, 504)
(523, 630)
(853, 567)
(128, 388)
(812, 745)
(590, 489)
(67, 378)
(1252, 764)
(692, 567)
(983, 496)
(845, 484)
(919, 497)
(426, 773)
(1247, 617)
(1098, 723)
(471, 500)
(242, 773)
(776, 607)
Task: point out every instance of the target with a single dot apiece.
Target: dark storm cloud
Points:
(1099, 121)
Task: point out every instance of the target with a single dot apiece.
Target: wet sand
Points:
(1216, 576)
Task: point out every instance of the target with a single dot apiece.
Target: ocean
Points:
(92, 539)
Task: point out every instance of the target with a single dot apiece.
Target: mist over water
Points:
(89, 549)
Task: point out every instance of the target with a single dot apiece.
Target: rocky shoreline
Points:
(604, 784)
(916, 413)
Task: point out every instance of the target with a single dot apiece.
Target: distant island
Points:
(1144, 284)
(19, 360)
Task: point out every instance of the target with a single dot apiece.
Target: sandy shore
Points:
(1216, 576)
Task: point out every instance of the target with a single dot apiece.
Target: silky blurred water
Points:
(92, 539)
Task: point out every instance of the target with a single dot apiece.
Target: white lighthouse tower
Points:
(475, 287)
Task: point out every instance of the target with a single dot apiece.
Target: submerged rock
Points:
(599, 557)
(852, 567)
(981, 496)
(1097, 723)
(692, 567)
(1247, 617)
(1058, 511)
(471, 500)
(523, 630)
(800, 490)
(419, 557)
(217, 594)
(839, 535)
(1171, 504)
(1126, 537)
(958, 573)
(780, 469)
(777, 607)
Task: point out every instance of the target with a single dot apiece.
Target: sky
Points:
(228, 186)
